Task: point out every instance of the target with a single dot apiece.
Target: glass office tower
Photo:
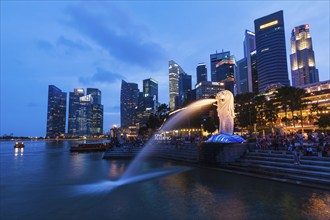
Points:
(201, 72)
(214, 59)
(174, 72)
(56, 112)
(271, 51)
(129, 100)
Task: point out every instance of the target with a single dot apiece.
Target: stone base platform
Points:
(220, 153)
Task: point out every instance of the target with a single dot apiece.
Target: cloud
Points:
(79, 45)
(45, 45)
(114, 31)
(101, 76)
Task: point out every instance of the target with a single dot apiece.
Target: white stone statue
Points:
(226, 114)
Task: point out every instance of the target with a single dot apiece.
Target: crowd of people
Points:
(311, 143)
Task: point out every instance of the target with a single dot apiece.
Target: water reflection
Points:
(19, 151)
(318, 206)
(116, 169)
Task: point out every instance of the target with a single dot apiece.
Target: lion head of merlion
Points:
(226, 114)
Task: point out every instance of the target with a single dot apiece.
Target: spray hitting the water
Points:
(133, 172)
(151, 145)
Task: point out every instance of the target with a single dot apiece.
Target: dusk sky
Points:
(96, 44)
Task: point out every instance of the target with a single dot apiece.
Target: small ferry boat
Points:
(90, 147)
(19, 144)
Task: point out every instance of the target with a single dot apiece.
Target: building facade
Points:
(96, 124)
(241, 76)
(201, 72)
(271, 50)
(184, 88)
(303, 70)
(214, 59)
(56, 112)
(225, 70)
(249, 46)
(174, 72)
(85, 113)
(74, 111)
(150, 93)
(129, 98)
(206, 89)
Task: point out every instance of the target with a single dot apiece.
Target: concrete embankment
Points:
(313, 171)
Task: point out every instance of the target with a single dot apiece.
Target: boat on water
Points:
(90, 147)
(19, 144)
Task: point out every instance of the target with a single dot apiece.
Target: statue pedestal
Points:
(220, 153)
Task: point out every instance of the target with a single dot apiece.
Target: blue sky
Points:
(96, 44)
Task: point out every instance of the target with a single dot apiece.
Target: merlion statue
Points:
(226, 114)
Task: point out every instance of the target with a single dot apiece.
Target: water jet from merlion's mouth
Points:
(151, 145)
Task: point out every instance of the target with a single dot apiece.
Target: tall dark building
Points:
(271, 52)
(74, 107)
(225, 70)
(56, 112)
(245, 77)
(96, 124)
(214, 59)
(150, 92)
(254, 71)
(303, 70)
(85, 113)
(96, 95)
(249, 47)
(129, 98)
(201, 72)
(241, 76)
(184, 88)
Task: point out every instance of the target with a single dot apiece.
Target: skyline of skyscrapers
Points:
(56, 112)
(85, 112)
(264, 64)
(303, 69)
(271, 51)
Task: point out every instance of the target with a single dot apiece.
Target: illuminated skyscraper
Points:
(303, 70)
(174, 72)
(201, 72)
(129, 99)
(271, 52)
(56, 112)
